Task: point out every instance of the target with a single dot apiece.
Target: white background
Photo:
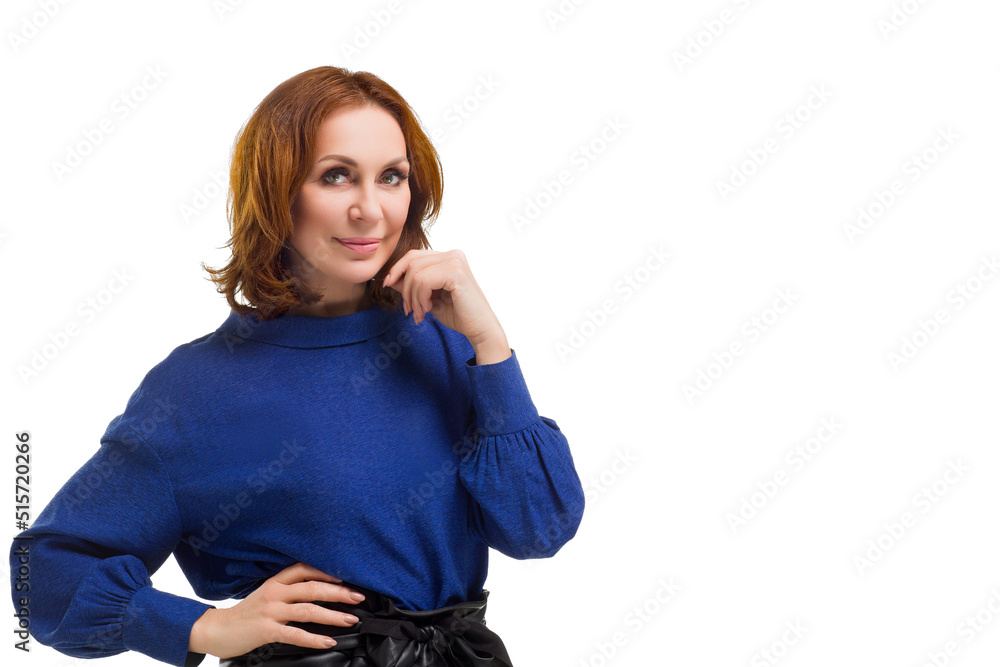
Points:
(685, 462)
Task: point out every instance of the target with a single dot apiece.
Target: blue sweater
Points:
(365, 445)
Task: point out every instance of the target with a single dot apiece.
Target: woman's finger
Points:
(417, 276)
(407, 290)
(422, 289)
(424, 293)
(397, 274)
(424, 278)
(307, 612)
(399, 268)
(307, 591)
(289, 634)
(300, 572)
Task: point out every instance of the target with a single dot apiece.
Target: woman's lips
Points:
(360, 246)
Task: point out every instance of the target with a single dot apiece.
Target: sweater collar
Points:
(304, 331)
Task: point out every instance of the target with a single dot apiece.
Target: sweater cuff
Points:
(500, 396)
(158, 624)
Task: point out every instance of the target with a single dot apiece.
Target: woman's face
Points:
(356, 190)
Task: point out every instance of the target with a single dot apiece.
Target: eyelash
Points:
(343, 170)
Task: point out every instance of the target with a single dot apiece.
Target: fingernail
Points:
(351, 619)
(329, 641)
(357, 596)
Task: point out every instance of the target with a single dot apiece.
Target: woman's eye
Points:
(340, 176)
(395, 173)
(331, 175)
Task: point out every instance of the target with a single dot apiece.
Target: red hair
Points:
(271, 158)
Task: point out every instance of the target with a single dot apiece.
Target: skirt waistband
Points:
(387, 636)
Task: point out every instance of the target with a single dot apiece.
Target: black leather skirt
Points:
(386, 636)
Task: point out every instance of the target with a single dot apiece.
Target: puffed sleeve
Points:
(517, 466)
(87, 559)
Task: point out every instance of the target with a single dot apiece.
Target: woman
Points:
(321, 442)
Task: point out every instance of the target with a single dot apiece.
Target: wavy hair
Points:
(271, 158)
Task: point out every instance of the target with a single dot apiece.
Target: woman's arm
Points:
(528, 497)
(518, 467)
(88, 557)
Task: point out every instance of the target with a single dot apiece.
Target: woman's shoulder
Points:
(176, 391)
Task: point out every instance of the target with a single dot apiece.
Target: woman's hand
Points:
(441, 283)
(260, 617)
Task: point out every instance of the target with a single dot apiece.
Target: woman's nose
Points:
(367, 205)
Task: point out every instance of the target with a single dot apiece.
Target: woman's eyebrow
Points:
(354, 163)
